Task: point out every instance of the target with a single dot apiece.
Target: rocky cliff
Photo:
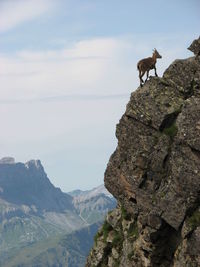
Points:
(154, 174)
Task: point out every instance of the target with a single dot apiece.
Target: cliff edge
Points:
(154, 174)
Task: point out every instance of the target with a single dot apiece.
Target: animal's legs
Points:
(141, 74)
(147, 75)
(155, 71)
(140, 77)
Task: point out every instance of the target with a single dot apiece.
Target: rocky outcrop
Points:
(155, 175)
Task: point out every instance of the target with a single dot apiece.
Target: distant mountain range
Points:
(90, 193)
(40, 220)
(93, 205)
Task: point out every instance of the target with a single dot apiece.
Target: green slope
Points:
(70, 250)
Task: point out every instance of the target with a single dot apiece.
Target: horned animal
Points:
(147, 64)
(195, 47)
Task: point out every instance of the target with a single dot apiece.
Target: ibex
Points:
(147, 64)
(195, 47)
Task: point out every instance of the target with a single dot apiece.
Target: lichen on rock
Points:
(154, 173)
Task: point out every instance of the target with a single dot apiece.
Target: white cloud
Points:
(86, 67)
(15, 12)
(103, 66)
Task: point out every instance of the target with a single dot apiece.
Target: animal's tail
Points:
(138, 67)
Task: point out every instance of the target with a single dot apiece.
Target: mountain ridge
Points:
(35, 217)
(28, 184)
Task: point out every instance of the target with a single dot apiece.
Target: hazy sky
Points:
(67, 68)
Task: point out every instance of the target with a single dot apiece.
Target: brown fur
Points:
(147, 64)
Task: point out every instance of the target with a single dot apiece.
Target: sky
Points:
(67, 69)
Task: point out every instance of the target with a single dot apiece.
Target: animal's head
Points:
(195, 46)
(157, 55)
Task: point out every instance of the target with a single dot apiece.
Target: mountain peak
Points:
(7, 160)
(34, 164)
(28, 184)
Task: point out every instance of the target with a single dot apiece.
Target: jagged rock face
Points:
(155, 175)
